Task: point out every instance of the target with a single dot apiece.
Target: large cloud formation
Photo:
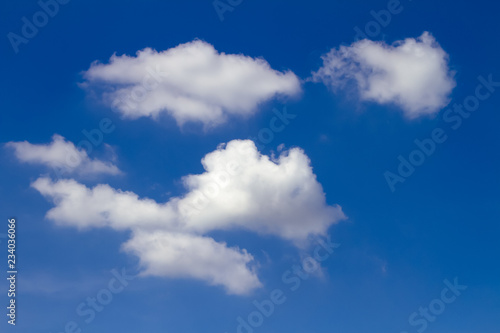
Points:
(412, 73)
(190, 82)
(240, 189)
(61, 155)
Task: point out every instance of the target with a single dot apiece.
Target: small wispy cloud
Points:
(412, 74)
(62, 155)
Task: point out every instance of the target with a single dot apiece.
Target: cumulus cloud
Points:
(183, 255)
(101, 206)
(240, 189)
(190, 82)
(412, 73)
(61, 155)
(278, 196)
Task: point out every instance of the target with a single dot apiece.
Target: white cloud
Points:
(270, 196)
(190, 82)
(412, 73)
(101, 206)
(62, 156)
(240, 189)
(183, 255)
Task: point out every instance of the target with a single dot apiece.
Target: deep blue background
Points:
(397, 248)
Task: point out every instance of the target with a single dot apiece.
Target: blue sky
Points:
(398, 244)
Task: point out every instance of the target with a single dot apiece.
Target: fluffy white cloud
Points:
(101, 206)
(191, 82)
(183, 255)
(62, 156)
(412, 73)
(240, 189)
